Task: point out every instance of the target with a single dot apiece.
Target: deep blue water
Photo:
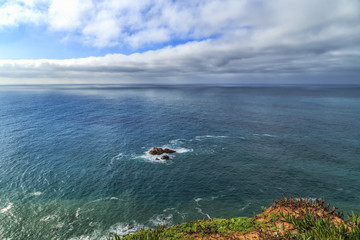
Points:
(73, 162)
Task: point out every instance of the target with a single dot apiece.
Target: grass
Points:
(189, 230)
(286, 219)
(312, 226)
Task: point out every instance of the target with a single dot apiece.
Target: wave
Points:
(245, 207)
(264, 135)
(209, 136)
(49, 218)
(117, 157)
(77, 213)
(123, 229)
(183, 150)
(175, 211)
(197, 200)
(173, 144)
(161, 219)
(103, 199)
(178, 141)
(201, 212)
(59, 225)
(7, 208)
(154, 158)
(36, 193)
(215, 197)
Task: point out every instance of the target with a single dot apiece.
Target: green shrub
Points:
(315, 227)
(199, 227)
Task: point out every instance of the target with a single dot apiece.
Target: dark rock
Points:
(159, 151)
(156, 151)
(166, 150)
(165, 157)
(157, 159)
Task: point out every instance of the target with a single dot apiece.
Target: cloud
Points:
(68, 15)
(211, 61)
(211, 40)
(141, 23)
(14, 13)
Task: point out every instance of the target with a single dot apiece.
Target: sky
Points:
(180, 41)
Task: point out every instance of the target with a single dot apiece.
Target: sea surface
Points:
(74, 161)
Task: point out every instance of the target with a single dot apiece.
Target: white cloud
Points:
(68, 15)
(15, 13)
(140, 23)
(231, 38)
(211, 60)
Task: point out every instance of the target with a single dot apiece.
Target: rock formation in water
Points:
(159, 151)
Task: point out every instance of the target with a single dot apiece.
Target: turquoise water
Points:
(73, 162)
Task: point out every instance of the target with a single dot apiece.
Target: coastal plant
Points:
(201, 228)
(313, 226)
(286, 219)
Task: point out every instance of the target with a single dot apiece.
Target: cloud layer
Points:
(213, 39)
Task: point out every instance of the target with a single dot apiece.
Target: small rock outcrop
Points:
(165, 157)
(159, 151)
(167, 150)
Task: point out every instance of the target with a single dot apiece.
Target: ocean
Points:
(74, 160)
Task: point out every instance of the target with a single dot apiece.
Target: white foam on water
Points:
(183, 150)
(117, 157)
(120, 155)
(59, 225)
(168, 209)
(7, 208)
(114, 198)
(49, 218)
(182, 215)
(246, 206)
(201, 212)
(264, 135)
(92, 224)
(153, 158)
(173, 144)
(77, 213)
(81, 238)
(36, 193)
(123, 229)
(174, 210)
(197, 200)
(161, 219)
(268, 135)
(176, 146)
(209, 136)
(176, 141)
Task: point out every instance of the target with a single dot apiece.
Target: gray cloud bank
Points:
(257, 41)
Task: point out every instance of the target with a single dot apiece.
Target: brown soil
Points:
(292, 206)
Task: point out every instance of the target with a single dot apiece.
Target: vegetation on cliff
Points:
(286, 218)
